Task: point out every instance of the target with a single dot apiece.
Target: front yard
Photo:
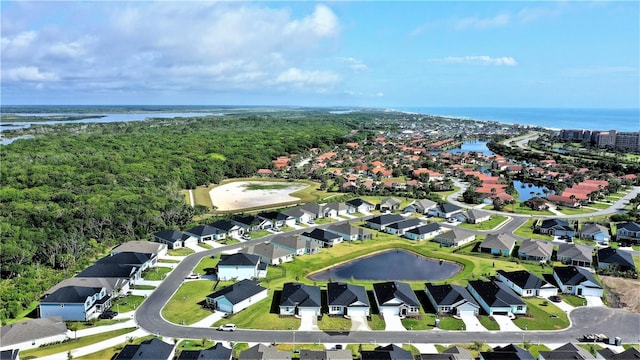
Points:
(490, 224)
(544, 315)
(156, 273)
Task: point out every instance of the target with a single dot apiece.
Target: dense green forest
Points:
(76, 190)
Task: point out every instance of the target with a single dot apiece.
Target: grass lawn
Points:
(73, 344)
(185, 307)
(427, 322)
(334, 323)
(180, 252)
(110, 353)
(205, 246)
(168, 261)
(259, 316)
(526, 230)
(292, 347)
(517, 209)
(195, 344)
(127, 303)
(488, 322)
(143, 287)
(599, 205)
(492, 223)
(207, 265)
(376, 322)
(156, 273)
(201, 196)
(627, 346)
(80, 325)
(451, 323)
(573, 300)
(579, 211)
(535, 349)
(259, 234)
(541, 317)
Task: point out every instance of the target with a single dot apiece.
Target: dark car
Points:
(555, 298)
(108, 314)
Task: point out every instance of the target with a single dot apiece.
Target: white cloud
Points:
(29, 73)
(478, 60)
(355, 64)
(323, 22)
(483, 23)
(302, 78)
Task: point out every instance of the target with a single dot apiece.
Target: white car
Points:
(194, 276)
(227, 327)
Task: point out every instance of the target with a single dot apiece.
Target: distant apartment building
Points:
(611, 138)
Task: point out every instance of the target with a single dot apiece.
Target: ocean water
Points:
(560, 118)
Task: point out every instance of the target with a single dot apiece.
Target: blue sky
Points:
(364, 53)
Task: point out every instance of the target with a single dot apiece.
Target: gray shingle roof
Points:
(239, 259)
(449, 294)
(146, 247)
(32, 329)
(405, 224)
(152, 349)
(495, 293)
(613, 256)
(394, 289)
(573, 275)
(385, 219)
(71, 295)
(575, 252)
(425, 229)
(217, 352)
(498, 241)
(524, 279)
(341, 294)
(536, 248)
(239, 291)
(297, 294)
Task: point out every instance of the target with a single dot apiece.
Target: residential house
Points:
(295, 245)
(498, 244)
(577, 281)
(347, 299)
(535, 250)
(114, 287)
(75, 303)
(216, 352)
(359, 206)
(452, 353)
(228, 228)
(381, 221)
(139, 260)
(537, 203)
(322, 238)
(420, 207)
(511, 352)
(615, 259)
(496, 298)
(299, 299)
(631, 353)
(271, 254)
(299, 215)
(401, 227)
(206, 233)
(390, 351)
(315, 211)
(451, 299)
(595, 232)
(264, 352)
(396, 298)
(251, 223)
(128, 274)
(389, 204)
(334, 209)
(174, 239)
(445, 211)
(475, 216)
(456, 237)
(334, 354)
(36, 332)
(237, 297)
(153, 349)
(628, 233)
(146, 247)
(566, 351)
(567, 201)
(278, 219)
(350, 232)
(10, 354)
(423, 232)
(526, 284)
(240, 266)
(575, 254)
(556, 227)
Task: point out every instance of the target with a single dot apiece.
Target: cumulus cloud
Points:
(478, 60)
(323, 22)
(304, 78)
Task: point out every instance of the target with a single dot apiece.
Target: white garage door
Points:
(466, 313)
(357, 311)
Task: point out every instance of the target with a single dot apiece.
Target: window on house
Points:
(519, 307)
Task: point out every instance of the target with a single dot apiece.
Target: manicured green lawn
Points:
(549, 317)
(143, 287)
(427, 321)
(156, 273)
(195, 344)
(600, 205)
(258, 316)
(579, 211)
(517, 209)
(488, 322)
(207, 265)
(73, 344)
(259, 234)
(535, 349)
(185, 307)
(109, 353)
(450, 323)
(573, 300)
(526, 230)
(492, 223)
(127, 303)
(334, 323)
(168, 261)
(205, 246)
(80, 325)
(180, 252)
(376, 322)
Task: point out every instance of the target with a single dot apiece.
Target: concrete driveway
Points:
(392, 322)
(563, 306)
(308, 322)
(472, 323)
(594, 301)
(505, 323)
(359, 323)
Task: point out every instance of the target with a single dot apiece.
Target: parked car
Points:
(555, 298)
(311, 222)
(246, 237)
(276, 229)
(108, 314)
(194, 276)
(227, 327)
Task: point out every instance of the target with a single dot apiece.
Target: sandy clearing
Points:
(623, 293)
(236, 196)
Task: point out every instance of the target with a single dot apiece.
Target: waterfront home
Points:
(577, 281)
(347, 299)
(240, 266)
(526, 284)
(628, 233)
(237, 297)
(535, 250)
(496, 298)
(299, 299)
(153, 349)
(381, 221)
(615, 259)
(575, 254)
(451, 299)
(396, 298)
(423, 232)
(174, 239)
(322, 238)
(498, 244)
(350, 232)
(295, 245)
(455, 237)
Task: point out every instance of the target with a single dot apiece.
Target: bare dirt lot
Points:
(623, 293)
(250, 194)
